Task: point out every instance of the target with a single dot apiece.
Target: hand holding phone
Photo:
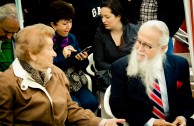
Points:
(86, 49)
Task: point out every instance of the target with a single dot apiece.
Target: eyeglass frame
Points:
(145, 45)
(7, 32)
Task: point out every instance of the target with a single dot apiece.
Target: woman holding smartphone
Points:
(69, 54)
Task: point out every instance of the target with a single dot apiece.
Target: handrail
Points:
(182, 36)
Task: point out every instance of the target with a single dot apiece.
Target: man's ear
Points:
(164, 48)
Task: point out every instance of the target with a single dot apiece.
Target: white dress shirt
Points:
(164, 94)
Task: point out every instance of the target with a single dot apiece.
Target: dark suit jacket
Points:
(129, 100)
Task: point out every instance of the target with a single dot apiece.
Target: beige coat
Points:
(25, 102)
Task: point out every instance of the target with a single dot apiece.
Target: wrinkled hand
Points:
(161, 122)
(113, 122)
(81, 56)
(180, 121)
(68, 50)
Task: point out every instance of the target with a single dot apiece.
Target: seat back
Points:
(106, 102)
(91, 66)
(89, 85)
(107, 106)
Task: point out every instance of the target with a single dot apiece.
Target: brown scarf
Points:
(39, 76)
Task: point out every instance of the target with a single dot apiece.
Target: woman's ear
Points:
(119, 17)
(53, 25)
(33, 56)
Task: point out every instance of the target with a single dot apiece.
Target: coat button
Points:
(24, 86)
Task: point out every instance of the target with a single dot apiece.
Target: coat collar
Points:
(28, 81)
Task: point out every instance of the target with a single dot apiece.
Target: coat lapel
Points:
(171, 78)
(137, 84)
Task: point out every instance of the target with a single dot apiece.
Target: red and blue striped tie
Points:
(155, 95)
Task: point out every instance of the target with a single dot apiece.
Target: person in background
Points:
(115, 38)
(171, 12)
(68, 51)
(35, 11)
(36, 92)
(87, 20)
(150, 87)
(9, 25)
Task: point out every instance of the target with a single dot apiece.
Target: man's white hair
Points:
(159, 26)
(8, 11)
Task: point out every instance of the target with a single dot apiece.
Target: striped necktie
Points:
(155, 95)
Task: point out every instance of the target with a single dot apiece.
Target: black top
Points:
(105, 49)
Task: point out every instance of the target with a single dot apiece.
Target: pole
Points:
(20, 14)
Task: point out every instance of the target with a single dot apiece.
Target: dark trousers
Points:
(85, 98)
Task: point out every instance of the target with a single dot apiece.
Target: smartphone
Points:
(86, 49)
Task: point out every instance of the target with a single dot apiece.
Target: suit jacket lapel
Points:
(170, 73)
(135, 82)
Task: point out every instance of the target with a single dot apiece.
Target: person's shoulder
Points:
(8, 77)
(100, 33)
(9, 72)
(132, 27)
(70, 35)
(123, 61)
(56, 70)
(120, 66)
(72, 38)
(176, 59)
(59, 74)
(102, 30)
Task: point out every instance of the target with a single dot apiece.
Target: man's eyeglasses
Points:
(11, 34)
(146, 46)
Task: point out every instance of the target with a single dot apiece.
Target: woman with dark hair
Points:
(114, 39)
(69, 56)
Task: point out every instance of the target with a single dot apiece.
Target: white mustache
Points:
(141, 53)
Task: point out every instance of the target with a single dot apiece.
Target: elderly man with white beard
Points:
(150, 87)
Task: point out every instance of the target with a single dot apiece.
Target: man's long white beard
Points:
(145, 69)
